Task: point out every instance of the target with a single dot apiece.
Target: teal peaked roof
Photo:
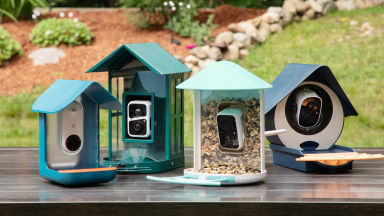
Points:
(224, 75)
(151, 55)
(63, 92)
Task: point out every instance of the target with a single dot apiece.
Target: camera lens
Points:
(137, 112)
(73, 143)
(309, 120)
(137, 126)
(311, 106)
(228, 140)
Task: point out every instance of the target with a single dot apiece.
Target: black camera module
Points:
(73, 143)
(138, 127)
(137, 110)
(310, 112)
(227, 131)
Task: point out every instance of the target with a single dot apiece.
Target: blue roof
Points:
(152, 55)
(63, 92)
(294, 74)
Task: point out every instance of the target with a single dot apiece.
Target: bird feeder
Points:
(69, 132)
(228, 109)
(310, 104)
(147, 136)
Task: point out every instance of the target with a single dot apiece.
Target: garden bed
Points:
(111, 30)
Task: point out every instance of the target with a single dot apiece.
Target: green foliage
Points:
(52, 32)
(151, 12)
(259, 4)
(8, 47)
(19, 9)
(184, 24)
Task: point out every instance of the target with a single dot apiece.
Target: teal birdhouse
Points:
(147, 136)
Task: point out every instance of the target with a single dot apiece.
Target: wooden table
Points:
(284, 192)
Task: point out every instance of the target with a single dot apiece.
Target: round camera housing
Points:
(327, 129)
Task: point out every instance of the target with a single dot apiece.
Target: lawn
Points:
(356, 60)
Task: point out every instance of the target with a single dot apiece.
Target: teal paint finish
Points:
(151, 55)
(192, 179)
(224, 75)
(125, 135)
(63, 92)
(93, 97)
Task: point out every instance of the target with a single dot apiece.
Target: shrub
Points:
(54, 31)
(22, 9)
(8, 47)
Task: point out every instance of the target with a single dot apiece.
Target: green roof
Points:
(151, 55)
(224, 75)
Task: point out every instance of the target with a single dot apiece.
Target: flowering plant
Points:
(54, 31)
(8, 46)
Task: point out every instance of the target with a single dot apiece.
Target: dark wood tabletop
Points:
(284, 192)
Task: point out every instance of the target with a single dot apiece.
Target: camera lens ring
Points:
(73, 143)
(138, 126)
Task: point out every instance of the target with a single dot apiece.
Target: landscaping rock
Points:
(278, 10)
(224, 38)
(300, 7)
(248, 27)
(361, 4)
(261, 36)
(215, 53)
(233, 27)
(327, 6)
(256, 21)
(243, 53)
(241, 40)
(345, 5)
(231, 53)
(275, 27)
(289, 6)
(353, 23)
(180, 58)
(287, 17)
(205, 63)
(315, 6)
(270, 17)
(48, 55)
(192, 59)
(198, 53)
(189, 65)
(376, 2)
(296, 18)
(310, 14)
(265, 27)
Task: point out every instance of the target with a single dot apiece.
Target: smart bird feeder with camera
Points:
(69, 132)
(310, 104)
(147, 136)
(228, 109)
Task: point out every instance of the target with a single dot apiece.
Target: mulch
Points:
(111, 30)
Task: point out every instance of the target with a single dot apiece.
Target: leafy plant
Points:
(16, 9)
(54, 31)
(183, 22)
(8, 47)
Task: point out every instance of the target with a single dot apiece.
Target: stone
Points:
(287, 17)
(192, 59)
(311, 14)
(243, 53)
(233, 27)
(248, 27)
(189, 65)
(327, 6)
(48, 55)
(296, 18)
(231, 53)
(256, 21)
(265, 27)
(315, 6)
(270, 17)
(353, 23)
(224, 38)
(345, 5)
(198, 52)
(194, 70)
(215, 53)
(300, 7)
(241, 40)
(290, 6)
(205, 63)
(261, 37)
(275, 27)
(361, 4)
(304, 18)
(376, 2)
(180, 58)
(278, 10)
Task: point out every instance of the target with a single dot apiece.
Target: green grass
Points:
(357, 62)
